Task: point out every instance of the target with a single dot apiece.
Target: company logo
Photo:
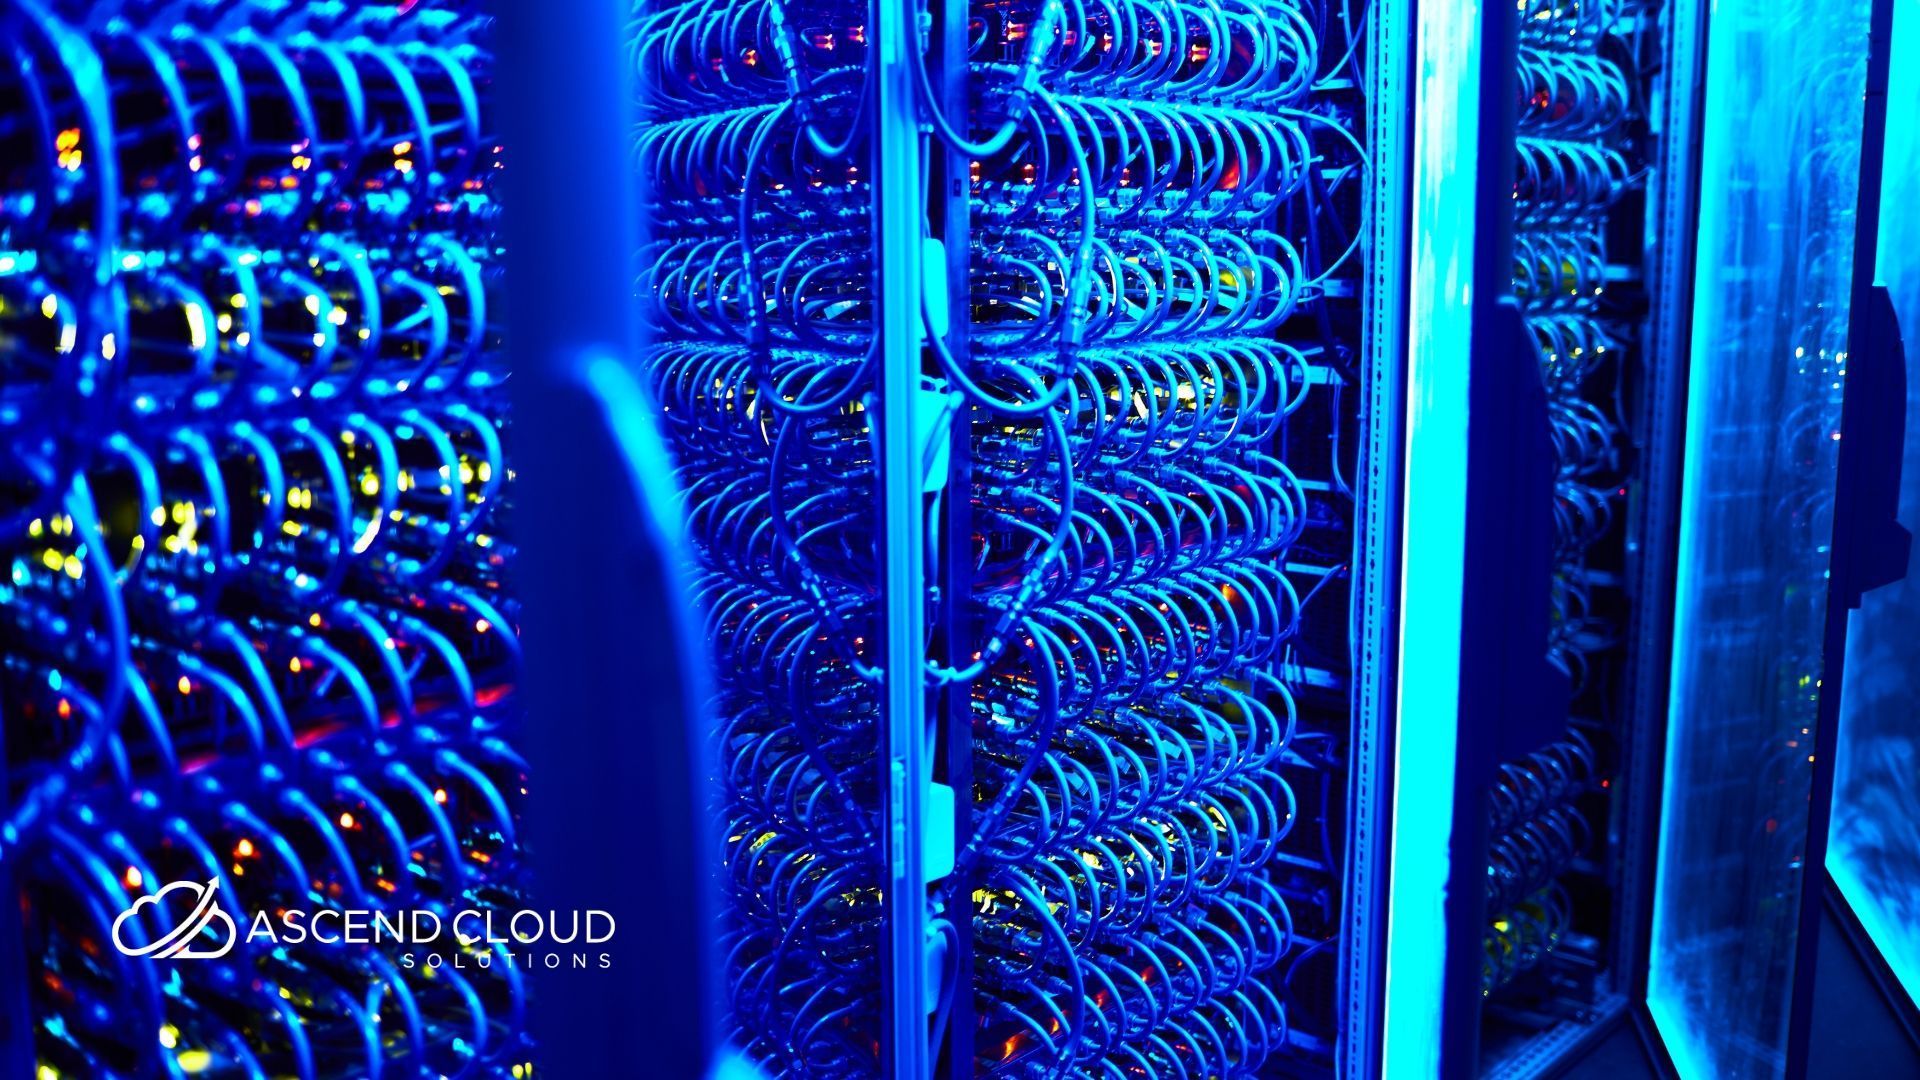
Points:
(179, 942)
(515, 939)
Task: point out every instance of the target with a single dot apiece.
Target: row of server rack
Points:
(1126, 539)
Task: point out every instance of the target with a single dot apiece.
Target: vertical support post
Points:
(1376, 557)
(898, 210)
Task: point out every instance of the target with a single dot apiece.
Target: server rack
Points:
(257, 642)
(1649, 913)
(1133, 306)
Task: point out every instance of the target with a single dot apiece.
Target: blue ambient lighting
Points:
(1446, 186)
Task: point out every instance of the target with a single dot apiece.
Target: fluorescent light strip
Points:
(1440, 298)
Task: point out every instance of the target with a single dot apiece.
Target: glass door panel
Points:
(1778, 187)
(1874, 842)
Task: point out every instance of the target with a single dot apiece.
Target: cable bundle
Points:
(757, 282)
(1537, 833)
(1528, 929)
(1152, 238)
(1572, 100)
(254, 626)
(1152, 215)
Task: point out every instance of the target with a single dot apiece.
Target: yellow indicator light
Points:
(197, 326)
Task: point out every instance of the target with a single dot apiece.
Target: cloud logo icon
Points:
(178, 943)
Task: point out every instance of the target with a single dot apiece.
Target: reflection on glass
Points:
(1875, 840)
(1779, 180)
